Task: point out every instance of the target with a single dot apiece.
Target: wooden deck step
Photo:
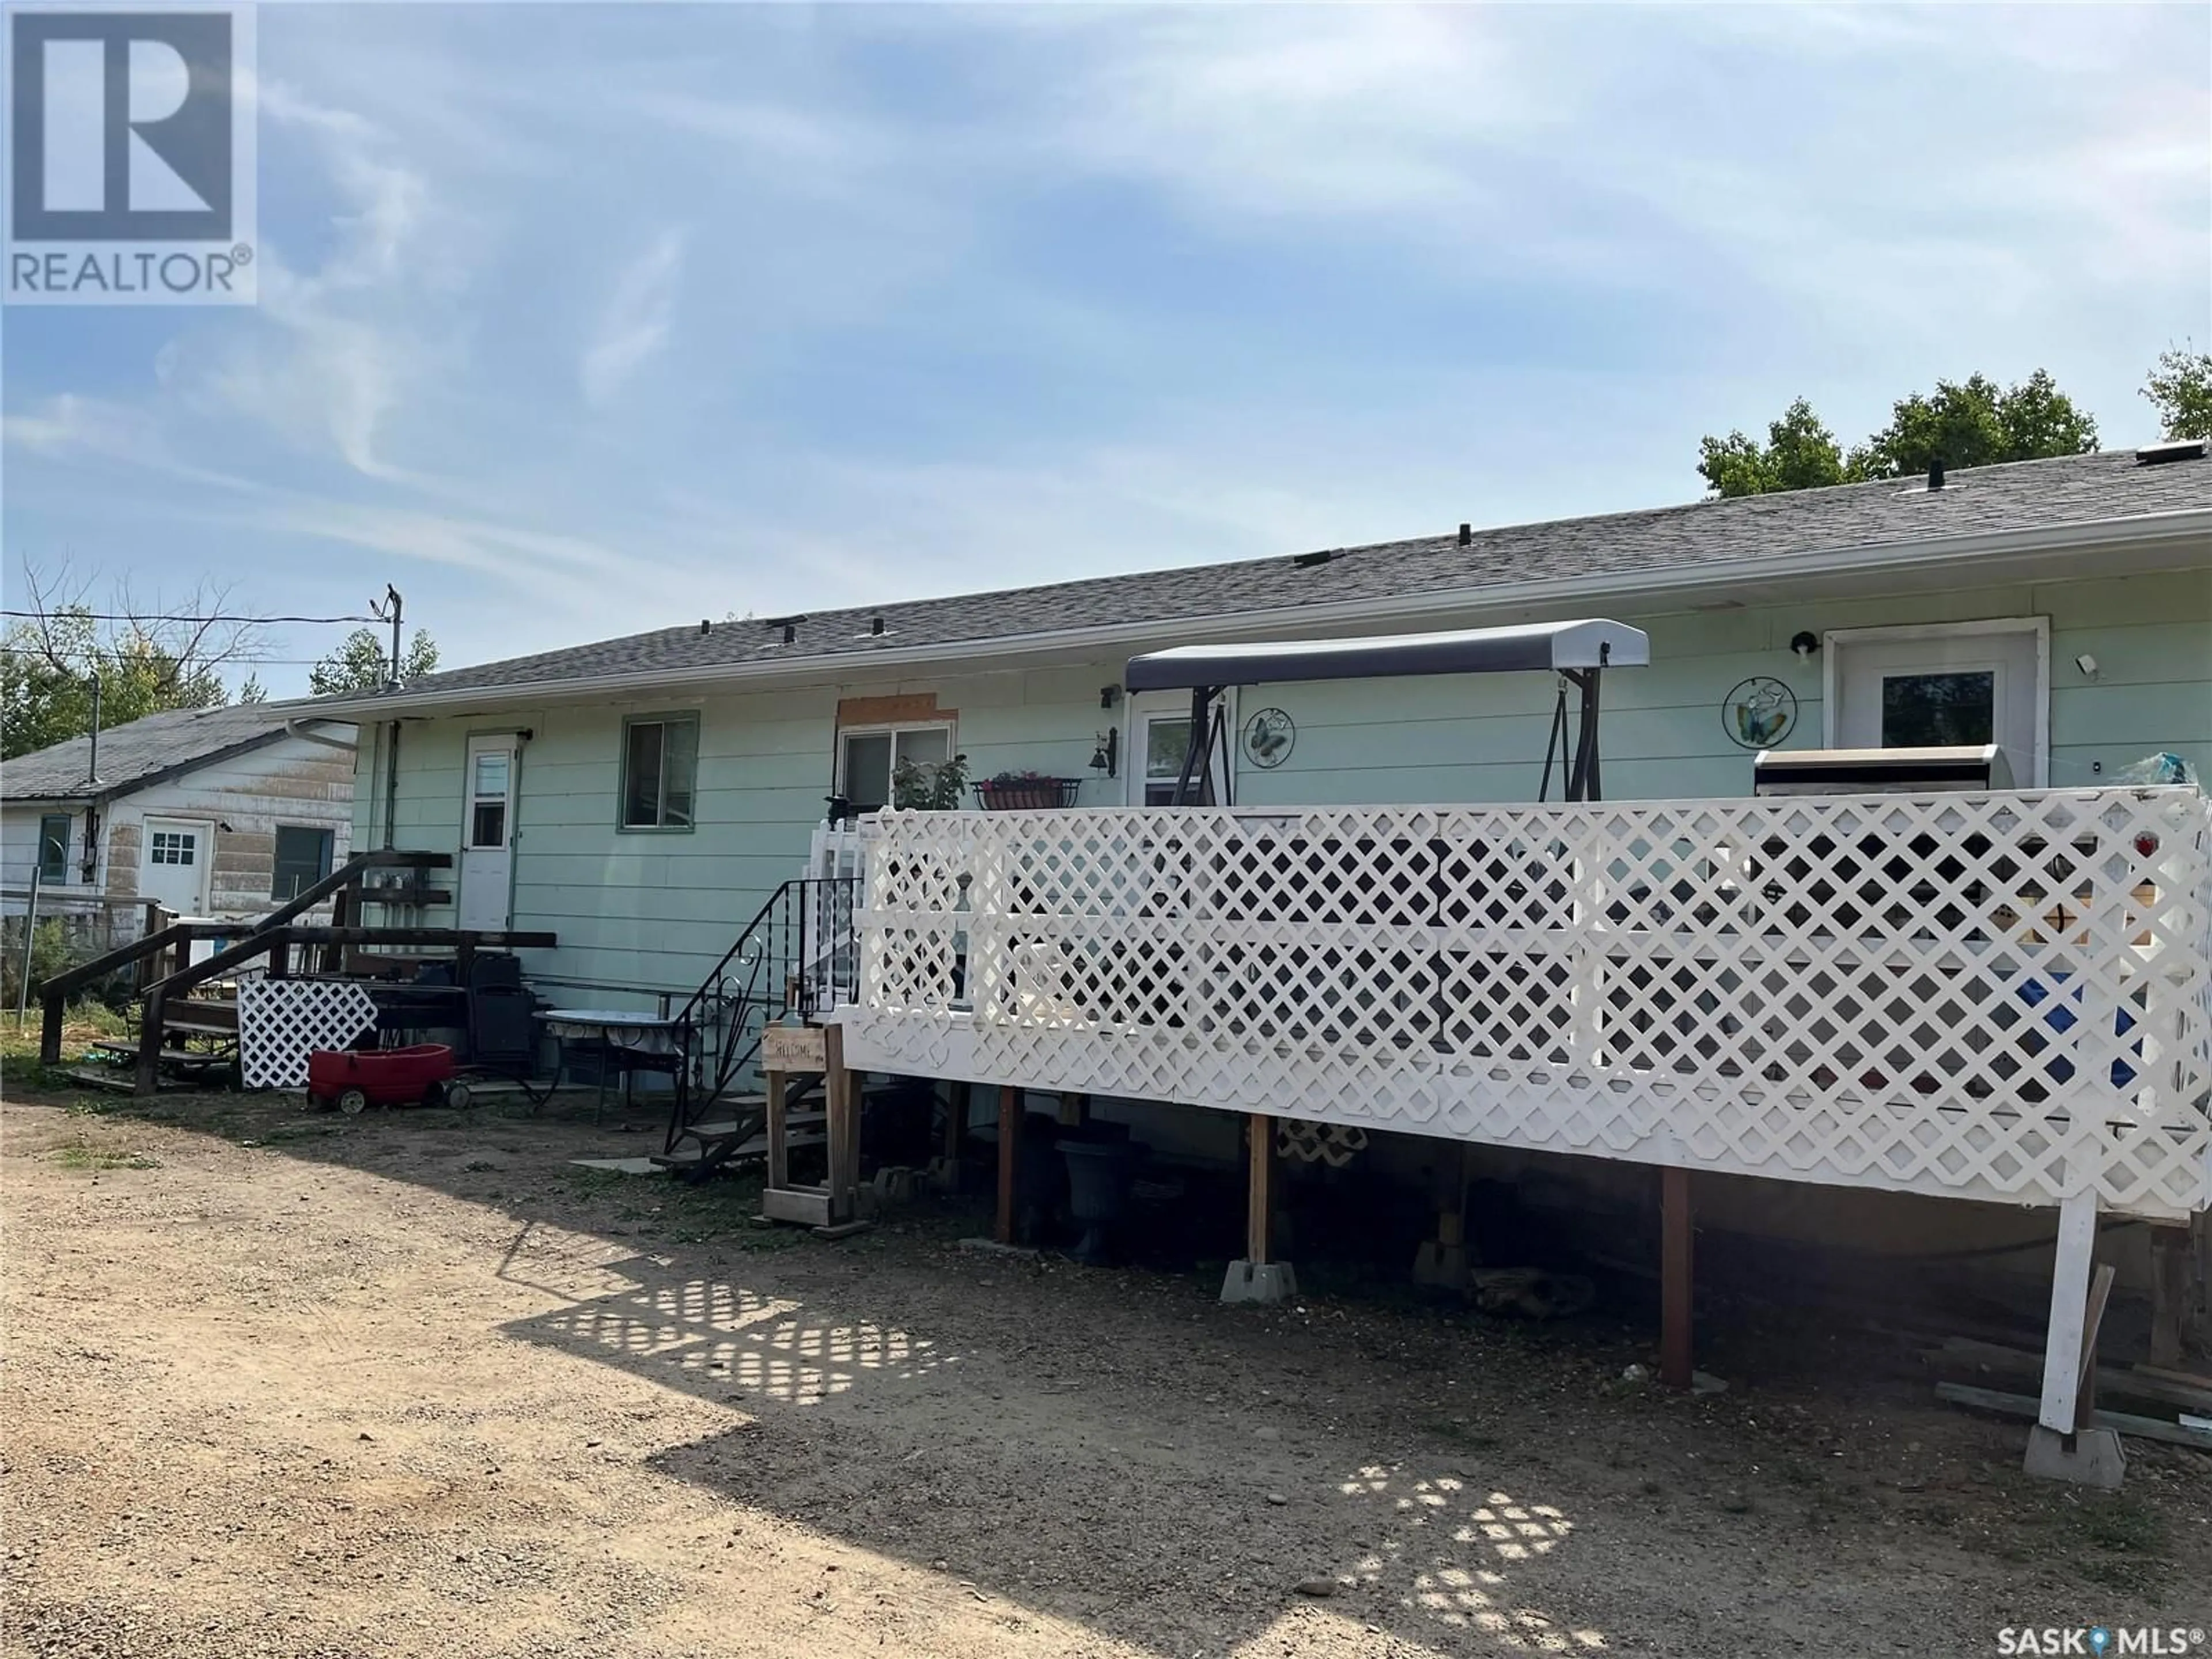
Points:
(119, 1083)
(201, 1017)
(755, 1147)
(715, 1131)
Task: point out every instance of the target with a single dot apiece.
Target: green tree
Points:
(1800, 454)
(1970, 423)
(358, 664)
(2180, 384)
(146, 658)
(1976, 422)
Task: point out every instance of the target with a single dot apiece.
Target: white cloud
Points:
(635, 326)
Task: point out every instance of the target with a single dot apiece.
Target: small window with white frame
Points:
(172, 848)
(868, 759)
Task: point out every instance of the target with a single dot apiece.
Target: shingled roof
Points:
(139, 753)
(2026, 495)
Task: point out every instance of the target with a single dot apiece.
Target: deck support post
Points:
(149, 1078)
(841, 1125)
(1257, 1277)
(2180, 1292)
(1441, 1262)
(1009, 1160)
(1677, 1249)
(2062, 1445)
(944, 1169)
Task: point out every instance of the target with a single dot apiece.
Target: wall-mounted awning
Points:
(1537, 648)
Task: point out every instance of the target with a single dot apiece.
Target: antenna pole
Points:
(392, 675)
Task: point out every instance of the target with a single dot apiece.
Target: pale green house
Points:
(1828, 1008)
(641, 797)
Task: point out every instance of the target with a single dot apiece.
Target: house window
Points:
(867, 760)
(172, 848)
(303, 858)
(660, 766)
(1938, 711)
(53, 847)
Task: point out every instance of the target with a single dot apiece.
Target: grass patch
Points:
(2121, 1524)
(96, 1158)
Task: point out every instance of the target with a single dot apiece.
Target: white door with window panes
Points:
(1944, 687)
(869, 758)
(1159, 740)
(487, 874)
(173, 858)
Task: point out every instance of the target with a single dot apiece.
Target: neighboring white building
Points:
(213, 812)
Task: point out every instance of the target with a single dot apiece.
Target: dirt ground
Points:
(286, 1384)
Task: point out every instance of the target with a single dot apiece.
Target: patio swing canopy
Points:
(1578, 652)
(1535, 647)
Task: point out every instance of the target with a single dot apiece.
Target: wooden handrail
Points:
(54, 993)
(275, 943)
(348, 875)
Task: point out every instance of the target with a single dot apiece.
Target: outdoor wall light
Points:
(1107, 757)
(1109, 696)
(1805, 642)
(2087, 665)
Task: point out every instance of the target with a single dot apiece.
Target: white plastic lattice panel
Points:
(282, 1021)
(1995, 996)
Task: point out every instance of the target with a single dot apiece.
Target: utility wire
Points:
(89, 656)
(124, 616)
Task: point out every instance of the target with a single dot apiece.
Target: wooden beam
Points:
(957, 1095)
(2085, 1395)
(149, 1042)
(2069, 1306)
(899, 710)
(779, 1134)
(2022, 1405)
(1010, 1152)
(1677, 1274)
(2170, 1248)
(841, 1103)
(1260, 1189)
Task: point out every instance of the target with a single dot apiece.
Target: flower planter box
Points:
(1028, 794)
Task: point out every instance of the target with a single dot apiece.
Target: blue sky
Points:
(581, 320)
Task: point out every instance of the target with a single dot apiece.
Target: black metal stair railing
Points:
(798, 954)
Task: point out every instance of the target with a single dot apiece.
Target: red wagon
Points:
(353, 1080)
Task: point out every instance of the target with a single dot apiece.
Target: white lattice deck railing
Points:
(2003, 996)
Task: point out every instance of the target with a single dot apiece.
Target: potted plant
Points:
(930, 786)
(1025, 791)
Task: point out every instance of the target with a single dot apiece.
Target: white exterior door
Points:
(1158, 738)
(1943, 687)
(488, 834)
(174, 855)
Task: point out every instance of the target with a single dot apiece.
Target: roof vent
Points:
(789, 625)
(1306, 560)
(1936, 473)
(875, 624)
(1467, 535)
(2174, 449)
(704, 625)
